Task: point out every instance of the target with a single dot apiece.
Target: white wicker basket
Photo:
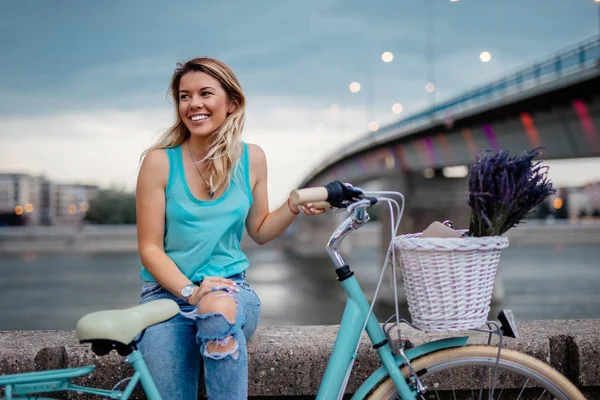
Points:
(449, 281)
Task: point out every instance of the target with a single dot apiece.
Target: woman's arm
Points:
(263, 226)
(150, 210)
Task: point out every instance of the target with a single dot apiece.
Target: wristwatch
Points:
(187, 291)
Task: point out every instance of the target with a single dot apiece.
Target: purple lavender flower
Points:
(503, 189)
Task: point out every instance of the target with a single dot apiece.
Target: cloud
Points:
(100, 147)
(103, 146)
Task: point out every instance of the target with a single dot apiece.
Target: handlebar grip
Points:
(321, 204)
(309, 195)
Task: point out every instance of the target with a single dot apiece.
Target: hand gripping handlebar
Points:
(334, 194)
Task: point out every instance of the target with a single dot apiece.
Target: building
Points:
(20, 199)
(71, 202)
(35, 200)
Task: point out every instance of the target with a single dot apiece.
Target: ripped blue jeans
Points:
(175, 350)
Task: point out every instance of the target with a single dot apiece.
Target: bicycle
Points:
(427, 369)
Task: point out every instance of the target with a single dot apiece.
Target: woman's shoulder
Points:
(156, 164)
(157, 158)
(256, 154)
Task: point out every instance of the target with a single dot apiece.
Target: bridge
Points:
(553, 102)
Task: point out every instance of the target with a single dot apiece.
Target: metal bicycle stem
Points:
(358, 218)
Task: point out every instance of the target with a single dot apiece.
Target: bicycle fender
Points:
(377, 376)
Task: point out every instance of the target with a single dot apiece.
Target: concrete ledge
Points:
(290, 361)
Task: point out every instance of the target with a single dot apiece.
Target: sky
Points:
(83, 88)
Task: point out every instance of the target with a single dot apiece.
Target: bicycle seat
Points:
(123, 326)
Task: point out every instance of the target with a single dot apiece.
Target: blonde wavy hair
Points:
(226, 148)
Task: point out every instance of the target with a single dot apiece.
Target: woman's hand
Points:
(210, 284)
(308, 209)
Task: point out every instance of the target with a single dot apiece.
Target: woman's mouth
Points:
(199, 118)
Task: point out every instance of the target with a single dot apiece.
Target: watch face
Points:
(187, 291)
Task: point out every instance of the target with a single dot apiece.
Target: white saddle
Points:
(124, 325)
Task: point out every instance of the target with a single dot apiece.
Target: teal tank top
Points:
(203, 237)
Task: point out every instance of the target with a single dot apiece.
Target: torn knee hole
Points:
(222, 348)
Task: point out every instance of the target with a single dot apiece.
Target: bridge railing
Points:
(573, 59)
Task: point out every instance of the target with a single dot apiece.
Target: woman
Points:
(196, 189)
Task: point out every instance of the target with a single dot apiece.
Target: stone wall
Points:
(290, 361)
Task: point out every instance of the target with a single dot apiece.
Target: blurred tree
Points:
(112, 207)
(596, 213)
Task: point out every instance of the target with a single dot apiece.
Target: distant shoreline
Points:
(123, 238)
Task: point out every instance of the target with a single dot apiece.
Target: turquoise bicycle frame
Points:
(353, 319)
(60, 380)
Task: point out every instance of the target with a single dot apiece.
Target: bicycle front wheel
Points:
(470, 373)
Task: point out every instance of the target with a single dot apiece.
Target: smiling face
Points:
(203, 103)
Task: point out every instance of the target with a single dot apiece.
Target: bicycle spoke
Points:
(468, 372)
(435, 386)
(490, 386)
(455, 384)
(482, 385)
(452, 380)
(500, 394)
(525, 385)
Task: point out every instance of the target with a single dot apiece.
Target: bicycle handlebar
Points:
(334, 194)
(315, 195)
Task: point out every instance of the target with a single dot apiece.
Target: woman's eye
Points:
(206, 93)
(183, 96)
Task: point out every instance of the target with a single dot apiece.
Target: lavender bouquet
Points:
(503, 189)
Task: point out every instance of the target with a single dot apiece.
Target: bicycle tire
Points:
(442, 361)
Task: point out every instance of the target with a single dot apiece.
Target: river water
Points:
(53, 290)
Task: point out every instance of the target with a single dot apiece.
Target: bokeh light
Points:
(72, 209)
(558, 203)
(397, 108)
(19, 210)
(485, 56)
(390, 162)
(28, 207)
(387, 57)
(355, 87)
(373, 126)
(430, 87)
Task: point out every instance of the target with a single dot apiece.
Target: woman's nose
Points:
(196, 102)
